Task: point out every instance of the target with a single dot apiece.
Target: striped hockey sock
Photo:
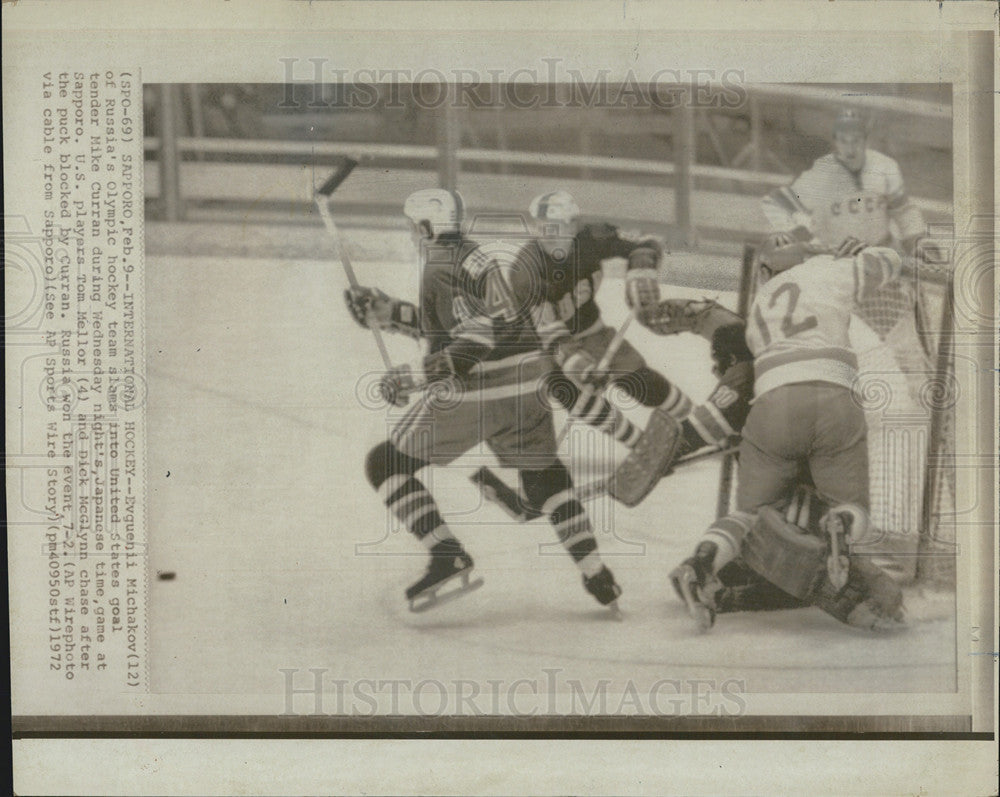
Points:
(710, 424)
(596, 411)
(408, 499)
(572, 526)
(677, 404)
(727, 533)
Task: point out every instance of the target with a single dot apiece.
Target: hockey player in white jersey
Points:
(853, 192)
(804, 427)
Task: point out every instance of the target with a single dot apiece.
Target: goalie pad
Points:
(870, 599)
(651, 458)
(790, 558)
(808, 567)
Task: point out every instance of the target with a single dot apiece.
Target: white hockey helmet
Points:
(441, 209)
(850, 120)
(554, 206)
(777, 253)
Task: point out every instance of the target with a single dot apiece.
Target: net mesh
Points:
(906, 387)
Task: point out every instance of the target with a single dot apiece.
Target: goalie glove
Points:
(672, 316)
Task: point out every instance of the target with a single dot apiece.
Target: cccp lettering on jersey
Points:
(868, 204)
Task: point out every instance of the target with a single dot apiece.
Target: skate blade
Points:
(616, 611)
(703, 615)
(434, 597)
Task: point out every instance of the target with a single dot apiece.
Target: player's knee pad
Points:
(385, 460)
(541, 484)
(787, 556)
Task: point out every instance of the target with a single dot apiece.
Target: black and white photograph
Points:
(370, 392)
(482, 358)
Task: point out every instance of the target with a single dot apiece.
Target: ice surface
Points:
(284, 558)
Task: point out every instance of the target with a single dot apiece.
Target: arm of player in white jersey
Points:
(874, 267)
(789, 208)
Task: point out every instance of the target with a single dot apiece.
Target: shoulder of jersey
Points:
(827, 163)
(878, 160)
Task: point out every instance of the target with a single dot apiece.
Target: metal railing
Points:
(448, 155)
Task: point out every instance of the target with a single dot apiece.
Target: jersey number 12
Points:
(789, 326)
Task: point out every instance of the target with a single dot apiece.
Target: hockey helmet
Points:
(554, 206)
(850, 120)
(778, 252)
(440, 209)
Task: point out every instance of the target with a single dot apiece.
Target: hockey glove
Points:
(370, 307)
(729, 346)
(398, 383)
(642, 290)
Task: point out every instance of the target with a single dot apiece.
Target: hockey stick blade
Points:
(344, 168)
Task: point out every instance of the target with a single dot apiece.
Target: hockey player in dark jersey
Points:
(489, 337)
(572, 256)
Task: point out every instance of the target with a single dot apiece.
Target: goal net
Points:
(906, 386)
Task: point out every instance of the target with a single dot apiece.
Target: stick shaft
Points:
(601, 367)
(322, 203)
(344, 168)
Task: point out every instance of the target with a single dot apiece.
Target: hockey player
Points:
(854, 192)
(719, 420)
(804, 426)
(486, 331)
(571, 257)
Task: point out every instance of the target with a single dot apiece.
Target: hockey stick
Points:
(322, 199)
(494, 488)
(599, 369)
(510, 501)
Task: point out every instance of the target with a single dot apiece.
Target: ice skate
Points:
(696, 585)
(603, 587)
(449, 562)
